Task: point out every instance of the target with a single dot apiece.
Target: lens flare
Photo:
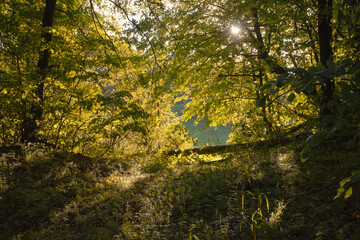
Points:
(235, 30)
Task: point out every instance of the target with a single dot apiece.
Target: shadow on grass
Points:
(267, 194)
(40, 186)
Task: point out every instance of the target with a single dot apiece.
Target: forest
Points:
(92, 148)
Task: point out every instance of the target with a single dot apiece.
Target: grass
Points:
(243, 194)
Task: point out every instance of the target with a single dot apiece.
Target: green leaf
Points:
(316, 141)
(291, 97)
(326, 73)
(267, 203)
(340, 191)
(355, 177)
(261, 102)
(342, 108)
(331, 103)
(348, 193)
(305, 155)
(355, 14)
(337, 14)
(344, 181)
(309, 88)
(273, 90)
(243, 201)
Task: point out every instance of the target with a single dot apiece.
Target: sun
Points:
(235, 29)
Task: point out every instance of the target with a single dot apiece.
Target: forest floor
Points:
(266, 193)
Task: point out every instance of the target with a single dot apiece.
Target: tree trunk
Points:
(263, 53)
(34, 115)
(326, 54)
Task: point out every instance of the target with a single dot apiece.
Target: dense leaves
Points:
(89, 92)
(276, 73)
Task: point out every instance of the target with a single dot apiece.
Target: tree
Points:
(60, 92)
(277, 62)
(326, 53)
(71, 80)
(205, 55)
(34, 115)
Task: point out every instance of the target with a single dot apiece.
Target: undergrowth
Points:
(242, 194)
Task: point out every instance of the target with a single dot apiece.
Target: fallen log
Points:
(229, 147)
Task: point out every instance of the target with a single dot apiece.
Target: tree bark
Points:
(326, 54)
(34, 115)
(273, 66)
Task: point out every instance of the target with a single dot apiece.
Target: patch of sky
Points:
(205, 134)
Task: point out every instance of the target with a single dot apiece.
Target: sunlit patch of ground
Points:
(125, 180)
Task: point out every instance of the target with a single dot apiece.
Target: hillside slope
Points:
(264, 194)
